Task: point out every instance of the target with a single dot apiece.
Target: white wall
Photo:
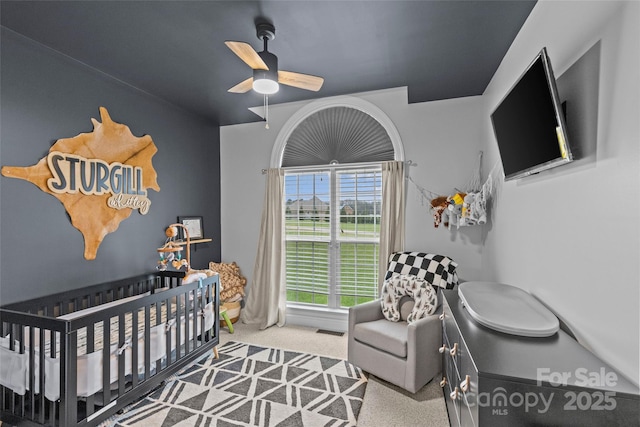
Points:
(570, 236)
(440, 137)
(244, 151)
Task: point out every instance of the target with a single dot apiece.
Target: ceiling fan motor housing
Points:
(272, 62)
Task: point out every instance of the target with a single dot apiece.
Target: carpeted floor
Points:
(252, 385)
(384, 404)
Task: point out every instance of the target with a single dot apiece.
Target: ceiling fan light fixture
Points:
(265, 82)
(265, 85)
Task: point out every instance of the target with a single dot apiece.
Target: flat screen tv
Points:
(529, 123)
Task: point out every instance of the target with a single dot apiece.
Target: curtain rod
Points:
(338, 166)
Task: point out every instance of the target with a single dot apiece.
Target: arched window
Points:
(337, 135)
(367, 127)
(332, 152)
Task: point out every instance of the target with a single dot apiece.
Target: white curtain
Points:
(392, 221)
(267, 298)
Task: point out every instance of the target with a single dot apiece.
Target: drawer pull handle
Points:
(464, 385)
(455, 394)
(454, 350)
(443, 382)
(443, 348)
(442, 316)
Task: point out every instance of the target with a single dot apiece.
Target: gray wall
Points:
(571, 236)
(46, 96)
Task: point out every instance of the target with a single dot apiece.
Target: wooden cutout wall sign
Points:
(100, 177)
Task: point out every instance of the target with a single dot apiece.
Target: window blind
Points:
(332, 234)
(337, 134)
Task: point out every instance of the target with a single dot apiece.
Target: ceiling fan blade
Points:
(247, 54)
(302, 81)
(243, 86)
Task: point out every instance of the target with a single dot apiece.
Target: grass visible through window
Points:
(308, 273)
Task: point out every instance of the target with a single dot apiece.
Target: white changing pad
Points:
(507, 309)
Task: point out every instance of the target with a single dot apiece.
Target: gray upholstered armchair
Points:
(404, 354)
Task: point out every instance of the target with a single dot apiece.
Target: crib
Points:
(77, 357)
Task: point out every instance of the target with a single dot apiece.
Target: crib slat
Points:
(32, 372)
(196, 316)
(121, 357)
(178, 325)
(187, 323)
(89, 349)
(52, 411)
(147, 340)
(53, 405)
(167, 302)
(106, 361)
(13, 403)
(21, 350)
(216, 309)
(134, 347)
(42, 400)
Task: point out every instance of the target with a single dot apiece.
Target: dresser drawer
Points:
(461, 377)
(449, 328)
(453, 405)
(468, 386)
(450, 379)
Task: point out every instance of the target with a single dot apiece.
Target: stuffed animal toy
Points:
(193, 275)
(455, 207)
(465, 215)
(475, 209)
(455, 212)
(439, 207)
(179, 263)
(457, 199)
(466, 205)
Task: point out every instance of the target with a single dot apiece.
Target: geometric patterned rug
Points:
(251, 385)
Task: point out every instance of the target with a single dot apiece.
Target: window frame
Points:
(334, 302)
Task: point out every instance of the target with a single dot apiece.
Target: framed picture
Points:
(193, 224)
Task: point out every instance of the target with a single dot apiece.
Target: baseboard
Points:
(320, 318)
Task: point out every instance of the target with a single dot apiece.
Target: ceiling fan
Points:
(266, 76)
